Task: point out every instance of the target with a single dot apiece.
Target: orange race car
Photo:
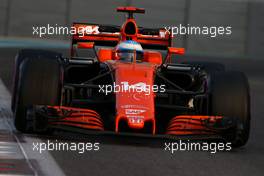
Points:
(126, 86)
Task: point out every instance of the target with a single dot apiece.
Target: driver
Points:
(126, 51)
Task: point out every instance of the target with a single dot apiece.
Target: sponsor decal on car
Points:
(134, 111)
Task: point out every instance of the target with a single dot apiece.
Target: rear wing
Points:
(110, 35)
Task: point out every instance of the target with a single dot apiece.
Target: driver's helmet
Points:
(126, 51)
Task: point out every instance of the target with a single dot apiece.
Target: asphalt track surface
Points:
(146, 156)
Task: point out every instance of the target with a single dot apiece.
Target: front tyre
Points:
(20, 57)
(39, 83)
(230, 97)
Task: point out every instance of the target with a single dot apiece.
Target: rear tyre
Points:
(230, 97)
(39, 83)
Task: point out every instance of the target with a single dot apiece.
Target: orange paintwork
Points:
(123, 33)
(173, 50)
(85, 45)
(105, 54)
(152, 57)
(131, 9)
(190, 124)
(78, 117)
(135, 108)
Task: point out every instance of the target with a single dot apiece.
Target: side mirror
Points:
(82, 45)
(85, 45)
(172, 50)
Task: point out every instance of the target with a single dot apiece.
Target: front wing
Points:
(85, 120)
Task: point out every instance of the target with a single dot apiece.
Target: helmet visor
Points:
(128, 55)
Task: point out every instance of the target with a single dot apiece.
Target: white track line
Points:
(46, 162)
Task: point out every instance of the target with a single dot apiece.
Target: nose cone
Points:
(135, 100)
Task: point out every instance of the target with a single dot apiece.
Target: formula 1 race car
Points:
(117, 80)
